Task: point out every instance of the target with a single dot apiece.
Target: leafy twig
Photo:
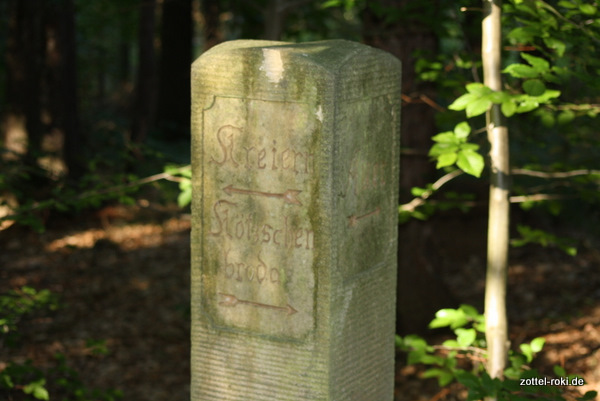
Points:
(420, 200)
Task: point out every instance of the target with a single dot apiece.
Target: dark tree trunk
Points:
(420, 291)
(62, 67)
(274, 16)
(175, 63)
(24, 60)
(143, 108)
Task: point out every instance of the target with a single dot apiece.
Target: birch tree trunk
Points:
(498, 221)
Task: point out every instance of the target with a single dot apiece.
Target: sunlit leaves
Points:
(470, 162)
(532, 348)
(508, 108)
(534, 236)
(456, 318)
(475, 102)
(37, 390)
(587, 9)
(521, 71)
(184, 176)
(452, 147)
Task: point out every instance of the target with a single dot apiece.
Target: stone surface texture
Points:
(295, 160)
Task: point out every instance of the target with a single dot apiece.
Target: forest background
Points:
(94, 100)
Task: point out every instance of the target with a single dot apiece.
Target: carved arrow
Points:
(289, 196)
(353, 220)
(232, 301)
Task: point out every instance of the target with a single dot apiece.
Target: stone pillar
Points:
(295, 159)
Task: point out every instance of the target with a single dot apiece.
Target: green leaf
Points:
(490, 386)
(461, 102)
(559, 371)
(470, 162)
(331, 3)
(415, 357)
(469, 146)
(534, 87)
(546, 117)
(587, 9)
(432, 360)
(416, 191)
(445, 160)
(465, 337)
(184, 198)
(462, 130)
(443, 318)
(470, 311)
(547, 95)
(538, 63)
(442, 148)
(468, 379)
(522, 34)
(527, 104)
(6, 380)
(478, 107)
(517, 360)
(566, 117)
(37, 389)
(498, 96)
(526, 350)
(444, 376)
(508, 108)
(451, 344)
(521, 71)
(567, 4)
(559, 46)
(537, 344)
(478, 89)
(449, 317)
(446, 137)
(588, 396)
(415, 342)
(480, 326)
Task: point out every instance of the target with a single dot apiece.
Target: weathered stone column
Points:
(295, 160)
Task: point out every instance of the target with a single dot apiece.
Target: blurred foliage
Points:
(18, 308)
(551, 86)
(463, 359)
(550, 94)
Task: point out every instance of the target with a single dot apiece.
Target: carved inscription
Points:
(257, 272)
(232, 153)
(259, 172)
(353, 220)
(230, 300)
(230, 222)
(289, 196)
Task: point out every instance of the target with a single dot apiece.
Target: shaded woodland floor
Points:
(122, 275)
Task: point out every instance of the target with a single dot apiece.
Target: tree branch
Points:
(420, 200)
(558, 174)
(536, 198)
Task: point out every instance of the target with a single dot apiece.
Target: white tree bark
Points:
(498, 221)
